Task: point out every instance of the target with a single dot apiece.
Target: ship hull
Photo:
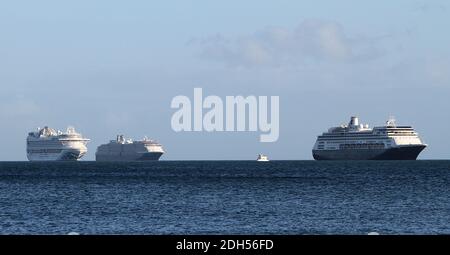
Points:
(66, 155)
(409, 152)
(148, 156)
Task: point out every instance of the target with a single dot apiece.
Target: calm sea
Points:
(225, 197)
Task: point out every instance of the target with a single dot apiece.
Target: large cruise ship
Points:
(359, 142)
(48, 144)
(123, 149)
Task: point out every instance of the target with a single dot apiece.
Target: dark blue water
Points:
(225, 197)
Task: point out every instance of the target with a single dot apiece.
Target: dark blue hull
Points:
(408, 152)
(149, 156)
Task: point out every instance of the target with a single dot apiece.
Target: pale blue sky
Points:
(111, 67)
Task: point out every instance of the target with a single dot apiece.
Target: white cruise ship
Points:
(359, 142)
(48, 144)
(123, 149)
(262, 157)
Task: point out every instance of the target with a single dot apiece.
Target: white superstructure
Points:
(47, 144)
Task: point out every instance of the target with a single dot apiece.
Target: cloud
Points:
(310, 42)
(323, 40)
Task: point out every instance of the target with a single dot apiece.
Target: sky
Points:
(113, 67)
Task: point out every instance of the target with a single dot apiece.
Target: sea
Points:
(226, 197)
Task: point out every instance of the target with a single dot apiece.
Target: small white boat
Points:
(262, 157)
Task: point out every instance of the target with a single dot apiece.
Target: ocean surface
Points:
(225, 197)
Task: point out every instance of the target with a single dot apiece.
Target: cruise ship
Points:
(123, 149)
(359, 142)
(47, 144)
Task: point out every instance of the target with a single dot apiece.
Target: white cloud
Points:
(254, 52)
(310, 42)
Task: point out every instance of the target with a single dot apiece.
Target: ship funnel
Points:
(120, 139)
(354, 121)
